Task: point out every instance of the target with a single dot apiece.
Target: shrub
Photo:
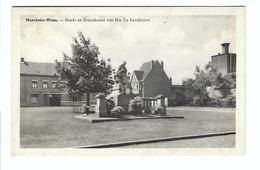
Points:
(110, 104)
(160, 110)
(84, 109)
(216, 102)
(179, 100)
(231, 99)
(135, 105)
(200, 100)
(117, 111)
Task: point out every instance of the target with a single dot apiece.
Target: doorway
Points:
(54, 99)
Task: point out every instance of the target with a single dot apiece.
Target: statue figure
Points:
(121, 72)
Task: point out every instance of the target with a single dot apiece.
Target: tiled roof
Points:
(139, 74)
(146, 68)
(35, 68)
(221, 86)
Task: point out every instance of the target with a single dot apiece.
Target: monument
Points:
(122, 90)
(101, 110)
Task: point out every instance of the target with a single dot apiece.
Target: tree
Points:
(203, 77)
(188, 82)
(207, 77)
(84, 72)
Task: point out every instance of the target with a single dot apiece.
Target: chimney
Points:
(22, 60)
(225, 47)
(170, 81)
(162, 64)
(152, 64)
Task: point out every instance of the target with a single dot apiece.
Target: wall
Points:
(67, 101)
(156, 82)
(234, 62)
(225, 62)
(222, 62)
(26, 89)
(136, 85)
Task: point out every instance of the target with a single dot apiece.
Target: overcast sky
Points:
(182, 42)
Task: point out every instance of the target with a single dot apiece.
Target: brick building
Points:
(37, 86)
(150, 80)
(226, 61)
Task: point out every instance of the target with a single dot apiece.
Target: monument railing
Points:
(149, 104)
(92, 108)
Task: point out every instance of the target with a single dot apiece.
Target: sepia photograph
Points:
(128, 80)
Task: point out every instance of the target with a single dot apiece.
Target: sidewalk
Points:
(206, 109)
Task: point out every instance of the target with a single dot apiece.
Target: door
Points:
(54, 100)
(45, 100)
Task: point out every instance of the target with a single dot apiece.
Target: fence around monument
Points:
(149, 105)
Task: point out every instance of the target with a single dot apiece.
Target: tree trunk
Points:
(88, 99)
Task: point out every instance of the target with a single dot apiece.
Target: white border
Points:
(239, 12)
(252, 108)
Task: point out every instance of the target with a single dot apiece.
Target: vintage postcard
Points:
(101, 81)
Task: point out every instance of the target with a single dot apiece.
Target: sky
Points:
(181, 42)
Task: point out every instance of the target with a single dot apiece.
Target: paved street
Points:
(227, 141)
(56, 127)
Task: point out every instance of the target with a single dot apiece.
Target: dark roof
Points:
(224, 86)
(146, 68)
(35, 68)
(176, 85)
(219, 54)
(139, 74)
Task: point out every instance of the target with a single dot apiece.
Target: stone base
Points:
(93, 119)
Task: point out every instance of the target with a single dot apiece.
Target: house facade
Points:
(37, 87)
(150, 80)
(225, 61)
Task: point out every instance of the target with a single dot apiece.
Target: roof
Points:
(139, 74)
(224, 86)
(146, 68)
(184, 86)
(35, 68)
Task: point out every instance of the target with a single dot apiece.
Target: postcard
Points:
(146, 81)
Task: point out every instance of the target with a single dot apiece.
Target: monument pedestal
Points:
(101, 110)
(161, 102)
(121, 95)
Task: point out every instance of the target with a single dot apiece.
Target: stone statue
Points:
(121, 72)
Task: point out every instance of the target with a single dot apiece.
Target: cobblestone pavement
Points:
(56, 127)
(227, 141)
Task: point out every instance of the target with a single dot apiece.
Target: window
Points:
(54, 84)
(75, 98)
(34, 98)
(45, 84)
(34, 83)
(135, 86)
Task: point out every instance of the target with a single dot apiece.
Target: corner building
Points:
(37, 87)
(226, 61)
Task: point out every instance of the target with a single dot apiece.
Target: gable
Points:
(157, 71)
(134, 79)
(139, 74)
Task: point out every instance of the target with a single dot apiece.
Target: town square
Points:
(155, 83)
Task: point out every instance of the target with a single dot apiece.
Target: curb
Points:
(97, 120)
(109, 145)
